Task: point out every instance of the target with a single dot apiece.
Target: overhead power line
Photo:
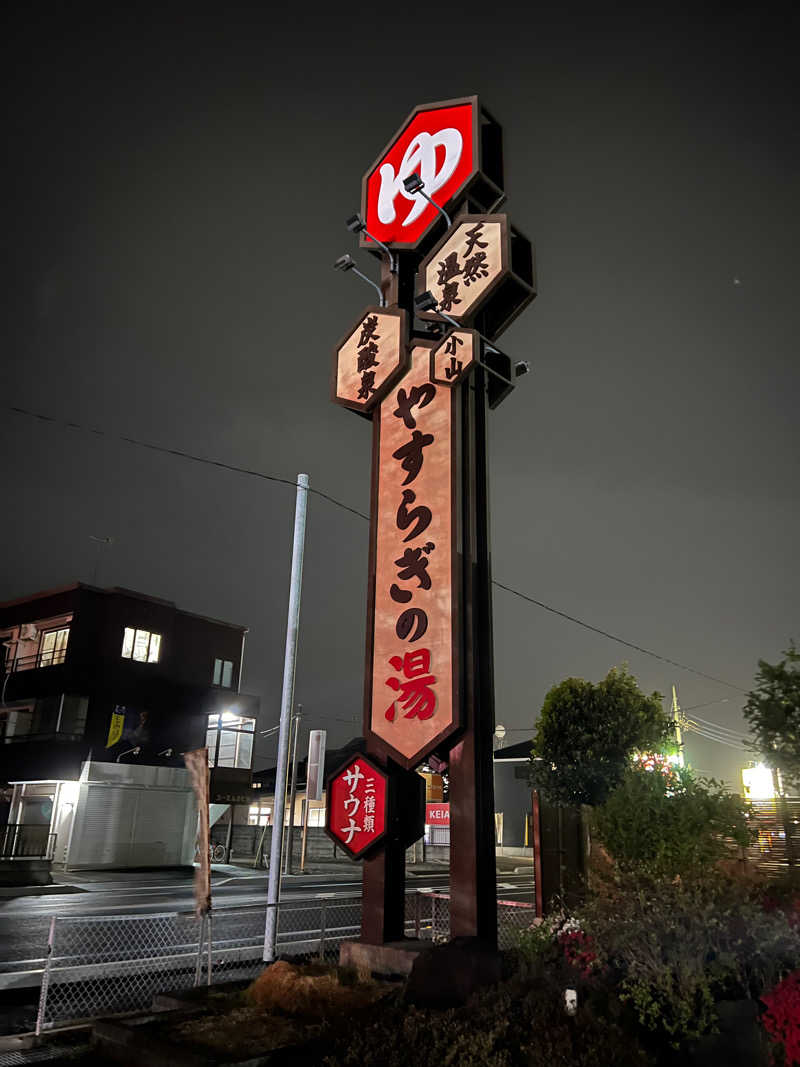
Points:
(619, 640)
(184, 455)
(709, 735)
(354, 511)
(708, 724)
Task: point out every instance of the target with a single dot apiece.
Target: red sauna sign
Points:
(440, 144)
(356, 810)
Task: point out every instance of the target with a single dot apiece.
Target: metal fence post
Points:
(51, 937)
(200, 942)
(416, 915)
(322, 932)
(208, 982)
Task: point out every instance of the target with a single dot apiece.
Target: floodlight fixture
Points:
(346, 262)
(425, 301)
(136, 751)
(356, 224)
(522, 367)
(416, 186)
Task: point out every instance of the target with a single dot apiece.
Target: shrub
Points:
(518, 1024)
(666, 824)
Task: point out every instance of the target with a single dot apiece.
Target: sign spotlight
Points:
(346, 262)
(356, 224)
(415, 185)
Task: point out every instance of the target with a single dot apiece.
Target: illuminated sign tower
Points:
(423, 366)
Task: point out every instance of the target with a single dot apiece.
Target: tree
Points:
(772, 712)
(587, 733)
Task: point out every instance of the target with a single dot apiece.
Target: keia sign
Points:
(423, 367)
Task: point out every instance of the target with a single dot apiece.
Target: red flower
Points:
(782, 1017)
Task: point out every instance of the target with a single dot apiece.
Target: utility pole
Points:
(287, 701)
(677, 716)
(293, 791)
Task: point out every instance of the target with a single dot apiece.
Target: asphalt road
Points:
(25, 921)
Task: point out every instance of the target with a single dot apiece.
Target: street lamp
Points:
(345, 263)
(356, 224)
(415, 185)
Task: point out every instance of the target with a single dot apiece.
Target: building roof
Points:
(522, 750)
(117, 590)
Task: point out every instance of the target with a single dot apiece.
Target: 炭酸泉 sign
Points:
(370, 358)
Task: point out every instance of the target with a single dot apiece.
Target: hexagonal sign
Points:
(462, 270)
(456, 149)
(470, 273)
(452, 360)
(356, 814)
(370, 359)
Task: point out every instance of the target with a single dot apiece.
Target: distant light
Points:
(758, 782)
(737, 281)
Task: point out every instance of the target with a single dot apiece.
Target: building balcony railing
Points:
(39, 659)
(27, 842)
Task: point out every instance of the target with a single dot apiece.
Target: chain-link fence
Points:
(108, 964)
(102, 965)
(513, 917)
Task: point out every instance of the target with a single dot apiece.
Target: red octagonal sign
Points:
(356, 805)
(440, 143)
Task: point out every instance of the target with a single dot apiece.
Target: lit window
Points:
(141, 645)
(229, 740)
(223, 673)
(54, 647)
(256, 785)
(258, 815)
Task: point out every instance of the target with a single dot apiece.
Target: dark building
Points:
(108, 688)
(96, 672)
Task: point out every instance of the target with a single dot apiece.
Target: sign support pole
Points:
(287, 701)
(473, 880)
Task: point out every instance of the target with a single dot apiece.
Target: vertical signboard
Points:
(413, 702)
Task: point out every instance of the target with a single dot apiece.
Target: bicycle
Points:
(216, 853)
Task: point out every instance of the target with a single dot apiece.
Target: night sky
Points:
(176, 191)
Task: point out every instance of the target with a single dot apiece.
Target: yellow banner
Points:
(115, 729)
